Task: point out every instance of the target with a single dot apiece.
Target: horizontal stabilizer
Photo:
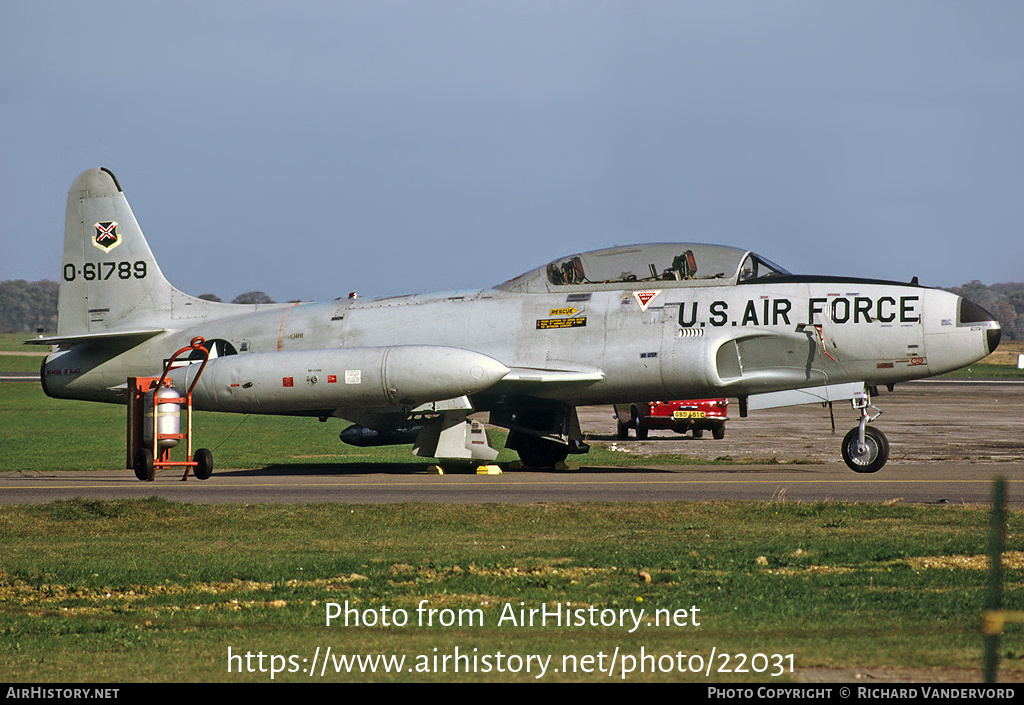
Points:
(119, 336)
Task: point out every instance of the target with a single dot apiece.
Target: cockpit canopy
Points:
(648, 265)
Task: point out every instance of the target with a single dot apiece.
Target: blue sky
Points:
(309, 149)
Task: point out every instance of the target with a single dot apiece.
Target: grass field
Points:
(149, 590)
(237, 441)
(98, 441)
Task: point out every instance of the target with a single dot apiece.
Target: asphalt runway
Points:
(929, 483)
(948, 441)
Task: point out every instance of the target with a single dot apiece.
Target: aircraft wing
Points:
(807, 395)
(534, 375)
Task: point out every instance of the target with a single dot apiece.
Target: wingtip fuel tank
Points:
(321, 381)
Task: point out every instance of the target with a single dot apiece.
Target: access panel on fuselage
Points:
(634, 344)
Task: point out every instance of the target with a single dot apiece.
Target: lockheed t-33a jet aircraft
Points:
(654, 321)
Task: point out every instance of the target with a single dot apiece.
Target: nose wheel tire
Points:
(869, 458)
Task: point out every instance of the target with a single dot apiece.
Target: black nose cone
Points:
(994, 335)
(973, 314)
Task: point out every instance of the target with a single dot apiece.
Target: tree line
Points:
(28, 307)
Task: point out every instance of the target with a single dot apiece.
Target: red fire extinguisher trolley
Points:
(154, 421)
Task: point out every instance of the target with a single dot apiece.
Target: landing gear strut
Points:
(865, 448)
(543, 433)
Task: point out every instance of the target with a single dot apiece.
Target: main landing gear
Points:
(865, 448)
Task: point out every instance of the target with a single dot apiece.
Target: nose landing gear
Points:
(865, 449)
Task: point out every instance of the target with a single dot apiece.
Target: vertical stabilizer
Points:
(110, 279)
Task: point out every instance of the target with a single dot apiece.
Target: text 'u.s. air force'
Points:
(777, 311)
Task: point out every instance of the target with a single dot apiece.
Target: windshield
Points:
(756, 267)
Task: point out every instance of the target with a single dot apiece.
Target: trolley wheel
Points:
(143, 464)
(204, 464)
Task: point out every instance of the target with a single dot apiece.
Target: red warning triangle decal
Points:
(644, 298)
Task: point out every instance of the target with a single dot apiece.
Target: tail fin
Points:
(110, 280)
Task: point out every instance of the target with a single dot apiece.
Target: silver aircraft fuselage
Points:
(641, 322)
